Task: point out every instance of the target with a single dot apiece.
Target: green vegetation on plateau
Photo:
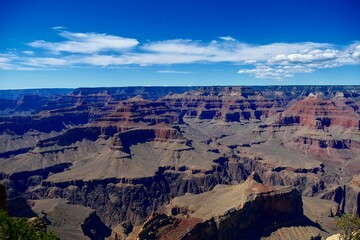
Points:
(350, 225)
(23, 228)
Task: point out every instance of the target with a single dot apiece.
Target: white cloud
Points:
(299, 58)
(86, 43)
(307, 56)
(351, 55)
(271, 61)
(275, 72)
(227, 38)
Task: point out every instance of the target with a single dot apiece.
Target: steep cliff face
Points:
(3, 198)
(226, 212)
(138, 110)
(346, 196)
(117, 200)
(230, 104)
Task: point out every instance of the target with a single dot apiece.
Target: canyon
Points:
(182, 162)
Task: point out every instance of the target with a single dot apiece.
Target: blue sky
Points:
(73, 43)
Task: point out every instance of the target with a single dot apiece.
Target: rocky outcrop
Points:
(124, 140)
(237, 212)
(71, 136)
(70, 221)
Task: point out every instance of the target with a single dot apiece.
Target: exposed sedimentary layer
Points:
(244, 211)
(126, 152)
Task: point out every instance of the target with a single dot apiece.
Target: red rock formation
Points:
(320, 127)
(319, 113)
(230, 104)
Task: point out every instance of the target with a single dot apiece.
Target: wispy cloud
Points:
(86, 43)
(9, 62)
(42, 62)
(173, 72)
(227, 38)
(28, 52)
(267, 61)
(58, 28)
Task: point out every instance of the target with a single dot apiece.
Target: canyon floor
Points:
(262, 162)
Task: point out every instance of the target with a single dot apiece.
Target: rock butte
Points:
(132, 158)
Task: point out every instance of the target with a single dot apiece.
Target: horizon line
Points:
(186, 86)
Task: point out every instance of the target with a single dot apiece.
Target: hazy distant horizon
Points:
(179, 86)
